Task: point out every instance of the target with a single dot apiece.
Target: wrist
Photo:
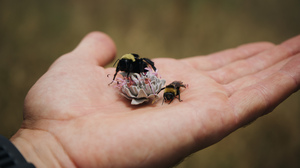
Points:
(10, 156)
(41, 148)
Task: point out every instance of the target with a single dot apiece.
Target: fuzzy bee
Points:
(132, 63)
(172, 91)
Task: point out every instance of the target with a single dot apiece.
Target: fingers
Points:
(256, 63)
(96, 47)
(254, 78)
(220, 59)
(260, 98)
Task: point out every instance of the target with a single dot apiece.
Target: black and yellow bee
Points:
(132, 63)
(172, 90)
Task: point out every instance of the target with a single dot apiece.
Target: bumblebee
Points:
(172, 90)
(132, 63)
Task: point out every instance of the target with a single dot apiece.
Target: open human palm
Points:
(72, 118)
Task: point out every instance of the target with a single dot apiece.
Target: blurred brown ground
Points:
(34, 33)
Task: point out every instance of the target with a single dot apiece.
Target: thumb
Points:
(96, 48)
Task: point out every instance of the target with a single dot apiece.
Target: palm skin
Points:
(72, 118)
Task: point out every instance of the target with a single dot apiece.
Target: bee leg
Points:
(161, 90)
(165, 99)
(179, 96)
(130, 69)
(113, 79)
(151, 63)
(128, 75)
(171, 100)
(183, 86)
(117, 70)
(142, 66)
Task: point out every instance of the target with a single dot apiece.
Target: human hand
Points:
(72, 118)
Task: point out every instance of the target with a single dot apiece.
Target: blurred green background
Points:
(35, 33)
